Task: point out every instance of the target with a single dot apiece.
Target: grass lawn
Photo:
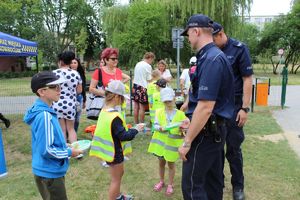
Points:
(265, 70)
(15, 87)
(272, 170)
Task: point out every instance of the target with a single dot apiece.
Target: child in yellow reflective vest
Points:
(167, 137)
(111, 138)
(151, 89)
(156, 103)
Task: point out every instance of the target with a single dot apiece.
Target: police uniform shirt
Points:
(213, 81)
(239, 57)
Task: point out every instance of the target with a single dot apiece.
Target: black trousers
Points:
(202, 173)
(234, 139)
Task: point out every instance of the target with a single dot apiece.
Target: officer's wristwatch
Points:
(246, 110)
(186, 144)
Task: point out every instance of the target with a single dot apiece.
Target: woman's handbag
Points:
(95, 103)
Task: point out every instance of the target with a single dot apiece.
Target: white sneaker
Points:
(104, 164)
(126, 158)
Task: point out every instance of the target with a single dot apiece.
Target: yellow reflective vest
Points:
(157, 104)
(166, 144)
(102, 144)
(151, 89)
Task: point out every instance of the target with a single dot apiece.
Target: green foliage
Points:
(284, 33)
(5, 75)
(248, 34)
(80, 41)
(146, 25)
(21, 18)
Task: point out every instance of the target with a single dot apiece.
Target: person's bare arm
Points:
(182, 86)
(185, 104)
(79, 89)
(94, 90)
(125, 78)
(168, 79)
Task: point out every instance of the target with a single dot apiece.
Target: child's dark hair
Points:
(80, 69)
(66, 57)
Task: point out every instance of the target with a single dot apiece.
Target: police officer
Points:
(239, 57)
(211, 102)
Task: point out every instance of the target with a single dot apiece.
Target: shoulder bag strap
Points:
(100, 83)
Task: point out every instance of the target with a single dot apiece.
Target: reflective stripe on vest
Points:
(166, 143)
(96, 148)
(103, 141)
(102, 144)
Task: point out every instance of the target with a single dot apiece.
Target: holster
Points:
(211, 127)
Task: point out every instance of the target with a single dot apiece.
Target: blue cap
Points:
(198, 20)
(217, 28)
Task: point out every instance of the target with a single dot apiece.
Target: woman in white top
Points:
(142, 76)
(165, 73)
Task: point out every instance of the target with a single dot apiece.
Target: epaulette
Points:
(237, 44)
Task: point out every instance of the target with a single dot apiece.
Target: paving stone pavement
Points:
(288, 118)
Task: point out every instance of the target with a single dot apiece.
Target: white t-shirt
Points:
(166, 74)
(186, 77)
(142, 73)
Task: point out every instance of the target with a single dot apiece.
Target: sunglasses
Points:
(113, 59)
(53, 87)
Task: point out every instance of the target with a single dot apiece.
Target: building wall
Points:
(12, 64)
(260, 20)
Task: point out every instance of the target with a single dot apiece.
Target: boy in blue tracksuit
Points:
(50, 152)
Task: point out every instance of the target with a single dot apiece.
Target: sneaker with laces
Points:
(125, 197)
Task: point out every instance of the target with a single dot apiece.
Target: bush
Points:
(5, 75)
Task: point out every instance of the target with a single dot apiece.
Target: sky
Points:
(270, 7)
(262, 7)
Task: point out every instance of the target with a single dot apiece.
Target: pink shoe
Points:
(158, 186)
(170, 190)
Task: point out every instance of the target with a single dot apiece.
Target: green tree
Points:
(21, 18)
(80, 41)
(284, 33)
(249, 34)
(120, 23)
(143, 31)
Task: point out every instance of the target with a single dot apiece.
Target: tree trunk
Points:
(273, 65)
(297, 69)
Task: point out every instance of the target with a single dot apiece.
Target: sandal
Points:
(158, 186)
(170, 190)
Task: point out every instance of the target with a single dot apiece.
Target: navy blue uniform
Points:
(202, 173)
(239, 57)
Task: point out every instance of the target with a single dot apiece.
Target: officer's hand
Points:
(241, 118)
(182, 152)
(184, 107)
